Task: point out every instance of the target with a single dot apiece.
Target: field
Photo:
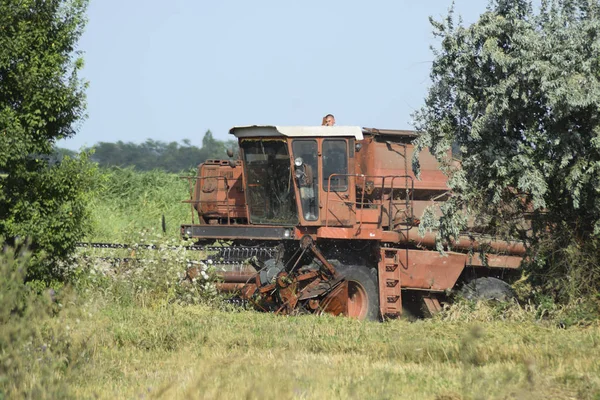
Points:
(133, 333)
(172, 351)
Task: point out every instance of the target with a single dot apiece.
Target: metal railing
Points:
(379, 203)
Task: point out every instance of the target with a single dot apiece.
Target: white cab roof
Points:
(296, 131)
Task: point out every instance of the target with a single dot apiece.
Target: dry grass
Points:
(199, 352)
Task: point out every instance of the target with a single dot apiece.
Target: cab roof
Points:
(319, 131)
(296, 131)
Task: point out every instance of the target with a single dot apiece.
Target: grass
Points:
(131, 204)
(132, 332)
(200, 352)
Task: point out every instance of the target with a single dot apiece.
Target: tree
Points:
(41, 101)
(211, 147)
(518, 93)
(153, 154)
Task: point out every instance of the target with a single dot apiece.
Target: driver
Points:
(328, 120)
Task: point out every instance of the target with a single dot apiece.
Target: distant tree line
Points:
(154, 154)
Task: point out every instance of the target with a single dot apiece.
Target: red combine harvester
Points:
(324, 219)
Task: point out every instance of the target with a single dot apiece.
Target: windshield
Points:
(269, 182)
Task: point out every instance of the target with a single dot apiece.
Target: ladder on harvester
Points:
(390, 295)
(393, 260)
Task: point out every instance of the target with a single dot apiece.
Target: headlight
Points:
(310, 217)
(298, 161)
(188, 231)
(287, 233)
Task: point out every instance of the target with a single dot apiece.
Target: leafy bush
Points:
(147, 277)
(50, 207)
(37, 352)
(517, 94)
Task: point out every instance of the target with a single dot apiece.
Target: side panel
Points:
(388, 158)
(219, 191)
(414, 269)
(424, 269)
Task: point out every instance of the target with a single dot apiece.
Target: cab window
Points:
(335, 161)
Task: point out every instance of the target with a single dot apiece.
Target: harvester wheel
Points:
(363, 299)
(487, 288)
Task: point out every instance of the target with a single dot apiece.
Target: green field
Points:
(131, 332)
(172, 351)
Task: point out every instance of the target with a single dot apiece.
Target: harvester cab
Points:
(322, 219)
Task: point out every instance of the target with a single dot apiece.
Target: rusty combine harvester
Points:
(324, 219)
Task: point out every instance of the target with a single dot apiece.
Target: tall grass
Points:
(200, 352)
(567, 270)
(38, 355)
(100, 346)
(131, 204)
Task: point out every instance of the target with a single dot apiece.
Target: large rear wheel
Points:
(363, 297)
(487, 288)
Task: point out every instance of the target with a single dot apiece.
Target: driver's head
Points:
(329, 120)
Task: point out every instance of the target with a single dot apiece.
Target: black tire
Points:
(487, 288)
(362, 286)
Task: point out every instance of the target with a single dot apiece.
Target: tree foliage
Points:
(153, 154)
(518, 93)
(41, 101)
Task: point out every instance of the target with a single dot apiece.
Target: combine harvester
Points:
(325, 219)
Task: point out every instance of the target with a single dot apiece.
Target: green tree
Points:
(518, 93)
(59, 153)
(41, 101)
(211, 147)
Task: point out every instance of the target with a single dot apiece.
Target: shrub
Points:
(37, 352)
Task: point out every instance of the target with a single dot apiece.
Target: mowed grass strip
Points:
(198, 352)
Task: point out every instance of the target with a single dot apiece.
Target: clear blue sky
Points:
(171, 69)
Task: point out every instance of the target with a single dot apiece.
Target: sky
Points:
(171, 70)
